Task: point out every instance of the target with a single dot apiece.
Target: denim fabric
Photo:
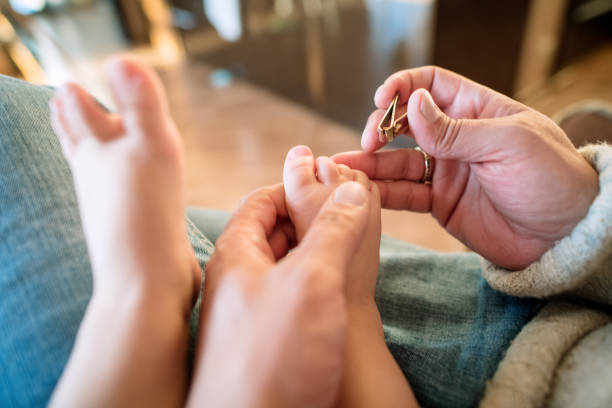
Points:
(210, 222)
(445, 326)
(45, 275)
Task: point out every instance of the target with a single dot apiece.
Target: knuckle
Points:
(252, 196)
(259, 197)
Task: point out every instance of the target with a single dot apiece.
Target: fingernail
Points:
(351, 193)
(299, 151)
(428, 108)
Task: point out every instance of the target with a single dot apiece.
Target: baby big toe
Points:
(299, 169)
(140, 97)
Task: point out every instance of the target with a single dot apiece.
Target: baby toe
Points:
(82, 117)
(346, 173)
(361, 178)
(327, 171)
(374, 196)
(299, 169)
(140, 97)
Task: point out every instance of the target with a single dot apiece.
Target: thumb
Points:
(338, 229)
(447, 138)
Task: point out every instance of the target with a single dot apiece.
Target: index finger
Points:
(396, 173)
(398, 164)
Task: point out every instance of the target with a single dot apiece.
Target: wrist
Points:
(578, 264)
(589, 189)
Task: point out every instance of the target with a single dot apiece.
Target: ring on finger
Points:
(428, 162)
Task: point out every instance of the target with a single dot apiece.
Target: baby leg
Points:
(371, 377)
(128, 174)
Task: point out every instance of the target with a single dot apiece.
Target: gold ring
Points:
(428, 172)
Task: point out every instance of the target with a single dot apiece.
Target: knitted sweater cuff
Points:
(579, 264)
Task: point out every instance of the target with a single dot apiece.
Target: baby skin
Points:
(131, 349)
(371, 376)
(128, 175)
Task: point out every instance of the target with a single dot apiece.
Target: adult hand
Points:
(507, 181)
(274, 326)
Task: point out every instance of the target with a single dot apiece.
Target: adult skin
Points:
(276, 323)
(507, 180)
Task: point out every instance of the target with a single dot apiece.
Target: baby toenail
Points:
(299, 151)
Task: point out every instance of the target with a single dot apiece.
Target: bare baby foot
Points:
(371, 375)
(276, 329)
(128, 175)
(308, 183)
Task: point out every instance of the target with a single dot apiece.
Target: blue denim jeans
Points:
(445, 326)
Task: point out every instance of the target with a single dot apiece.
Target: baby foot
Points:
(308, 183)
(128, 175)
(369, 367)
(277, 328)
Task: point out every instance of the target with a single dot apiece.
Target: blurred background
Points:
(248, 79)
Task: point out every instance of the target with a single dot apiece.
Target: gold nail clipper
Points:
(389, 127)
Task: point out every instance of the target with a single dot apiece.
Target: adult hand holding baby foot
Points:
(507, 181)
(274, 323)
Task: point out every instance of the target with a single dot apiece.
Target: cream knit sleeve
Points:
(579, 264)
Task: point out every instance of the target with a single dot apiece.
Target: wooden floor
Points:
(587, 80)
